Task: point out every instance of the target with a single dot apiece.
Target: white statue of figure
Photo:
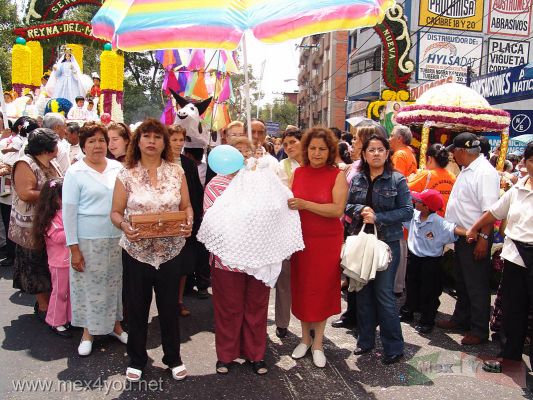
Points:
(66, 80)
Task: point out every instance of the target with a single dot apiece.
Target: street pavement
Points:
(37, 364)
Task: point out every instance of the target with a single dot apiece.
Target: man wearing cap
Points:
(477, 187)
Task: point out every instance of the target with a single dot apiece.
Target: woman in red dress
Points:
(320, 193)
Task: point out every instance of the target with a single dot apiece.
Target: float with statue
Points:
(43, 43)
(445, 110)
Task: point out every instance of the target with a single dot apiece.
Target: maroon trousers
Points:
(240, 303)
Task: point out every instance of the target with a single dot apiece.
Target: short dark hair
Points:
(364, 167)
(485, 146)
(73, 127)
(149, 125)
(90, 129)
(327, 136)
(347, 137)
(196, 153)
(295, 133)
(528, 153)
(336, 131)
(40, 141)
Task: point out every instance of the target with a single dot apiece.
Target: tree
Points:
(281, 111)
(8, 20)
(238, 109)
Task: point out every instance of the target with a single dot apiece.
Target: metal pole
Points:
(247, 88)
(3, 104)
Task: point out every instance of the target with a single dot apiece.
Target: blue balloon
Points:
(225, 159)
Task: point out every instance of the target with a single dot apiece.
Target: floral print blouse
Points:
(143, 198)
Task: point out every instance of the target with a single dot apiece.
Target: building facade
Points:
(447, 37)
(322, 80)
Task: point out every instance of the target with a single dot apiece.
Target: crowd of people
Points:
(70, 193)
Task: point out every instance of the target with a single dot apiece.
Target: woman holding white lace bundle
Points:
(246, 258)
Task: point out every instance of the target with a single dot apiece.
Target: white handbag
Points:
(362, 256)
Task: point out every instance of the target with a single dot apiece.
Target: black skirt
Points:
(31, 274)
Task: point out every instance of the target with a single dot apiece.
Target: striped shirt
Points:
(213, 190)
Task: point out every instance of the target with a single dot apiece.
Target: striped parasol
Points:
(140, 25)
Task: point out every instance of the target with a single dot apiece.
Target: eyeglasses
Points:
(380, 150)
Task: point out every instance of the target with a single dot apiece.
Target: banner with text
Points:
(465, 15)
(441, 55)
(505, 54)
(505, 86)
(510, 17)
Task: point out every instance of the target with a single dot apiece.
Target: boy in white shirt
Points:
(78, 112)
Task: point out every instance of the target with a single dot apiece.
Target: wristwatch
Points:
(483, 236)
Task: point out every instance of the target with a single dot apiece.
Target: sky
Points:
(281, 63)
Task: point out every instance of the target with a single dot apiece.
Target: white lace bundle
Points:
(250, 227)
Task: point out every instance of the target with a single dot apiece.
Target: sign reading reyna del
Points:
(441, 55)
(465, 15)
(510, 17)
(504, 86)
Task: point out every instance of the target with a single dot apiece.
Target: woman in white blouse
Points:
(96, 274)
(516, 207)
(151, 183)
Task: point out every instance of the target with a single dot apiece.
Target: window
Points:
(370, 61)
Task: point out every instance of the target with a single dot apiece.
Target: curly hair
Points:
(48, 205)
(40, 141)
(90, 129)
(149, 125)
(327, 136)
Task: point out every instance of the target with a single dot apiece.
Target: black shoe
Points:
(259, 367)
(38, 313)
(281, 332)
(202, 294)
(222, 368)
(343, 323)
(388, 360)
(63, 333)
(359, 351)
(406, 317)
(7, 262)
(424, 329)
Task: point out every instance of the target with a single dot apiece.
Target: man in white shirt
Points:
(56, 122)
(477, 188)
(291, 144)
(258, 138)
(72, 137)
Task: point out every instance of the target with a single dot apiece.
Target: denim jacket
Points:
(391, 200)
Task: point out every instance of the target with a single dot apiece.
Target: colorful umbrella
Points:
(140, 25)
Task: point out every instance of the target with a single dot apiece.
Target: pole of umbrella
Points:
(247, 88)
(3, 105)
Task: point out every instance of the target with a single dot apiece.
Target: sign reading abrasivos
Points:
(441, 55)
(510, 17)
(505, 53)
(466, 15)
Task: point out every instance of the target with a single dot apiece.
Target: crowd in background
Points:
(72, 190)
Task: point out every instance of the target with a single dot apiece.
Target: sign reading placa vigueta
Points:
(505, 53)
(465, 15)
(510, 17)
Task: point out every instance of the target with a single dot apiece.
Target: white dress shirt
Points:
(62, 158)
(282, 170)
(476, 189)
(516, 205)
